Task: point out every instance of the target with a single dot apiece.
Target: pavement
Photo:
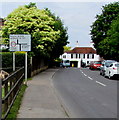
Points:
(40, 99)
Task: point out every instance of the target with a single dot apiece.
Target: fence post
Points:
(6, 101)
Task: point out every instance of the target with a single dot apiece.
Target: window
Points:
(92, 56)
(71, 55)
(97, 62)
(117, 65)
(79, 55)
(64, 56)
(76, 55)
(83, 55)
(67, 61)
(88, 56)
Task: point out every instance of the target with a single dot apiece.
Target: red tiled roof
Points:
(83, 50)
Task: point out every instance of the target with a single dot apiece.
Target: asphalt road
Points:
(86, 94)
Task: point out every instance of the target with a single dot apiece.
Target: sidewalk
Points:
(40, 100)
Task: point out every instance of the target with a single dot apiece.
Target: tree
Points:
(110, 45)
(66, 48)
(58, 48)
(29, 19)
(100, 27)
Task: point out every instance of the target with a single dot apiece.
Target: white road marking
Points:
(90, 78)
(85, 75)
(100, 83)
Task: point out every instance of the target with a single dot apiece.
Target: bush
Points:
(7, 59)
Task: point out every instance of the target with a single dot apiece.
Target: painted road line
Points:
(90, 78)
(100, 83)
(85, 75)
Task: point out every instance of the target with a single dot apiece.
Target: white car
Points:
(112, 70)
(104, 65)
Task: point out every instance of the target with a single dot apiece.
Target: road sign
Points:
(20, 42)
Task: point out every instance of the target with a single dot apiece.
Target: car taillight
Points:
(114, 68)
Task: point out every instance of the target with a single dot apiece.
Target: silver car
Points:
(104, 65)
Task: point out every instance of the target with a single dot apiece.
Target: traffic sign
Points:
(20, 42)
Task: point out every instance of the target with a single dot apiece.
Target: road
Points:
(86, 94)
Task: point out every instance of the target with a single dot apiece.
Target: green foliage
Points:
(66, 48)
(7, 59)
(20, 59)
(61, 41)
(110, 44)
(46, 29)
(14, 110)
(31, 5)
(100, 28)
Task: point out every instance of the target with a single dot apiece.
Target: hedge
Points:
(7, 60)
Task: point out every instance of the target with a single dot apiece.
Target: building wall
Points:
(86, 58)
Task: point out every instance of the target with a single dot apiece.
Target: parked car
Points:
(95, 65)
(112, 70)
(104, 65)
(65, 63)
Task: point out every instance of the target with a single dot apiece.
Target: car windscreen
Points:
(67, 61)
(117, 65)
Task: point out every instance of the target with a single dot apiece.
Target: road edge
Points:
(64, 108)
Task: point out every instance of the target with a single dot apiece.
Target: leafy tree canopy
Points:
(62, 40)
(101, 26)
(110, 44)
(40, 24)
(67, 48)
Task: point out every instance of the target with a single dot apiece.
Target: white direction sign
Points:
(20, 42)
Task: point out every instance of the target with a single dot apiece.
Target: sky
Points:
(77, 15)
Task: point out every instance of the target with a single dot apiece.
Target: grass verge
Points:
(14, 110)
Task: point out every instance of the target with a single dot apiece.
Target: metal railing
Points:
(10, 88)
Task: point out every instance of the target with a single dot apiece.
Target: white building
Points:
(3, 46)
(78, 54)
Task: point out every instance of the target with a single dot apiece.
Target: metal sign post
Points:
(26, 68)
(13, 61)
(20, 42)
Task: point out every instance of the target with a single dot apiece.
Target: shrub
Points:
(7, 59)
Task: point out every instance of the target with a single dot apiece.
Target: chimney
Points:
(77, 43)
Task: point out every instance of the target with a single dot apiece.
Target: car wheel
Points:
(109, 76)
(104, 75)
(100, 73)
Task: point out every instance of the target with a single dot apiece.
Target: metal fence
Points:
(10, 88)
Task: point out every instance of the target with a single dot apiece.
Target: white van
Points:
(65, 63)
